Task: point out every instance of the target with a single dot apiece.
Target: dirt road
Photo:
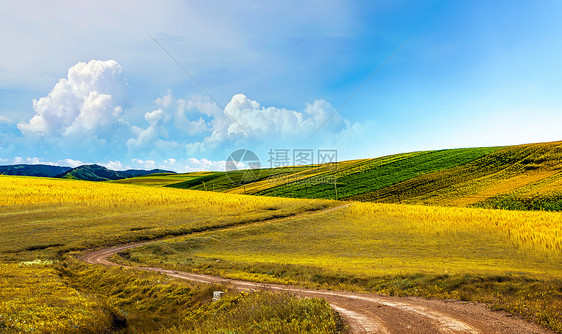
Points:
(370, 313)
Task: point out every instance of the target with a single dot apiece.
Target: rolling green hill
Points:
(522, 177)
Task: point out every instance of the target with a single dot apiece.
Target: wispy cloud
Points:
(36, 160)
(4, 119)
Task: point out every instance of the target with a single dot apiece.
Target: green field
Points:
(160, 180)
(523, 177)
(379, 173)
(220, 181)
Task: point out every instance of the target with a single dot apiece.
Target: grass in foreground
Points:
(264, 312)
(71, 297)
(33, 299)
(508, 259)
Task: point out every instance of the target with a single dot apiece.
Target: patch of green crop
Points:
(223, 181)
(379, 173)
(547, 202)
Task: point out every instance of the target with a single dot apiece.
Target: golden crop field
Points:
(33, 299)
(532, 231)
(43, 289)
(378, 239)
(511, 260)
(40, 216)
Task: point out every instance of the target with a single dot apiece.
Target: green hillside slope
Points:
(380, 173)
(522, 177)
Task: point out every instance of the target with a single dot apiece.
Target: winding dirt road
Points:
(369, 313)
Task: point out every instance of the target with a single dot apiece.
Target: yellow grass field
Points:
(509, 259)
(44, 290)
(40, 217)
(33, 299)
(370, 239)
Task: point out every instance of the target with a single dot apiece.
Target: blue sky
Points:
(85, 83)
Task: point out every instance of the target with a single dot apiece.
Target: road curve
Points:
(368, 313)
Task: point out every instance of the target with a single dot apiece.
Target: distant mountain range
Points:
(33, 170)
(85, 172)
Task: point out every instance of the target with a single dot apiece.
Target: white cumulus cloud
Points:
(183, 165)
(165, 100)
(88, 102)
(243, 118)
(250, 118)
(199, 126)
